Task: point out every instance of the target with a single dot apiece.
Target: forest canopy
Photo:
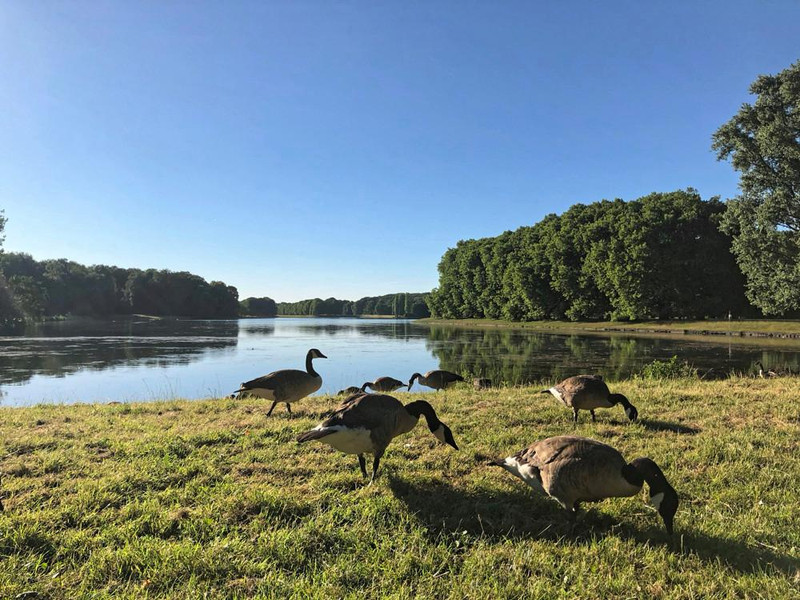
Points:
(660, 256)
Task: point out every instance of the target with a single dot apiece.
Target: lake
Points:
(138, 359)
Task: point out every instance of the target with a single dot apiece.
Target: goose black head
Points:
(666, 503)
(444, 435)
(314, 353)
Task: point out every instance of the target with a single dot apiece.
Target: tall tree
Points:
(763, 143)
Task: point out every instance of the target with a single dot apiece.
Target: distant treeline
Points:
(661, 256)
(399, 305)
(31, 289)
(35, 289)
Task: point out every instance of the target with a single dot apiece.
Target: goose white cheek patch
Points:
(656, 500)
(439, 433)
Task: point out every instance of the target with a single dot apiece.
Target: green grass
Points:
(212, 499)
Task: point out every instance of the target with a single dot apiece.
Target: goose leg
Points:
(375, 464)
(363, 464)
(575, 415)
(593, 419)
(269, 412)
(289, 407)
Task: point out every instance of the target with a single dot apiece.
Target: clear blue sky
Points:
(301, 149)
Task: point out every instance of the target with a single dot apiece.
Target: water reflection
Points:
(520, 357)
(144, 359)
(57, 349)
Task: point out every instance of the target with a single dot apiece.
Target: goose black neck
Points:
(310, 365)
(619, 399)
(420, 407)
(647, 470)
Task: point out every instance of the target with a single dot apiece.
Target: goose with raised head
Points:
(575, 469)
(438, 379)
(286, 385)
(383, 384)
(365, 424)
(762, 372)
(587, 392)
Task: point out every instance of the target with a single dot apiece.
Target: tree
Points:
(763, 142)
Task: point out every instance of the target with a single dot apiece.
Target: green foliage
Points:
(62, 287)
(763, 142)
(661, 256)
(398, 305)
(668, 369)
(258, 307)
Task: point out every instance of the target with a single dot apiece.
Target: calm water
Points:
(132, 360)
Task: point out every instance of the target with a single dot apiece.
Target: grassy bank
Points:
(182, 499)
(764, 327)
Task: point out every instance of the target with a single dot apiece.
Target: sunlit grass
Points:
(181, 499)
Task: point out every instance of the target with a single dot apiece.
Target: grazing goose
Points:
(438, 380)
(762, 372)
(367, 423)
(286, 385)
(588, 392)
(349, 391)
(383, 384)
(575, 469)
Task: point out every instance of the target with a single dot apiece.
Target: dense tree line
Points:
(400, 305)
(34, 289)
(258, 307)
(661, 256)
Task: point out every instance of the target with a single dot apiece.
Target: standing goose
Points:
(367, 423)
(286, 385)
(574, 469)
(588, 392)
(438, 379)
(383, 384)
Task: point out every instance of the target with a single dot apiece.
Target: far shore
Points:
(761, 328)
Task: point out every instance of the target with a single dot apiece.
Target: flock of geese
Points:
(567, 468)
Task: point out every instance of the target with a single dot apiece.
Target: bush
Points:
(668, 369)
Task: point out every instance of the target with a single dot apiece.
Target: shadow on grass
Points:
(498, 515)
(654, 425)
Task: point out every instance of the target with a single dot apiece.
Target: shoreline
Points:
(751, 328)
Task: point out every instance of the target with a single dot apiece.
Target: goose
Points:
(383, 384)
(286, 385)
(588, 392)
(762, 372)
(438, 379)
(367, 423)
(572, 470)
(349, 391)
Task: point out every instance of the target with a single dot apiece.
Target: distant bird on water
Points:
(587, 392)
(286, 385)
(365, 424)
(438, 379)
(574, 469)
(383, 384)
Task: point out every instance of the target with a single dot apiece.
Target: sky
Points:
(339, 148)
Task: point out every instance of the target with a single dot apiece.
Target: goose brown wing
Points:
(368, 411)
(272, 380)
